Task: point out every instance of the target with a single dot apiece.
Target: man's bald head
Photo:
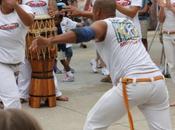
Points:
(105, 6)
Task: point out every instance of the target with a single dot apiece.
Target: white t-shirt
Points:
(127, 4)
(122, 50)
(39, 7)
(12, 37)
(169, 23)
(66, 25)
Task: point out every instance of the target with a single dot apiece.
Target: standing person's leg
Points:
(24, 79)
(144, 29)
(69, 54)
(104, 71)
(59, 95)
(9, 93)
(68, 75)
(156, 109)
(169, 46)
(94, 62)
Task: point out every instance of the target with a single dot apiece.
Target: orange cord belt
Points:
(125, 82)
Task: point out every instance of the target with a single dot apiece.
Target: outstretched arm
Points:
(131, 12)
(96, 31)
(73, 11)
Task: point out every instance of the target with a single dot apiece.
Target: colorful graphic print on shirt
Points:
(125, 31)
(9, 27)
(36, 4)
(124, 2)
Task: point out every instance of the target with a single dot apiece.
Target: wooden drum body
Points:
(42, 84)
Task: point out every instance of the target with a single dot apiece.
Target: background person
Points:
(167, 17)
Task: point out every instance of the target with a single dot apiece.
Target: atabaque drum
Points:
(42, 86)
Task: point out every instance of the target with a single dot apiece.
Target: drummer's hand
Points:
(39, 43)
(51, 12)
(71, 11)
(12, 3)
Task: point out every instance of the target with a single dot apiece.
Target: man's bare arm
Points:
(73, 11)
(97, 31)
(131, 12)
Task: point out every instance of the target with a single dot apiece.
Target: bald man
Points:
(137, 81)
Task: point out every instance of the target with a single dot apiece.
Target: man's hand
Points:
(40, 43)
(71, 11)
(161, 3)
(169, 5)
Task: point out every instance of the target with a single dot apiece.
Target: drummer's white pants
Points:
(151, 99)
(9, 93)
(24, 80)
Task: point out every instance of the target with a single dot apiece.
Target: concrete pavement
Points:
(85, 91)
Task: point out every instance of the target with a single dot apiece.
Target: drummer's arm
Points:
(25, 17)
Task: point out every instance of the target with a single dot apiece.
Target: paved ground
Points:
(84, 93)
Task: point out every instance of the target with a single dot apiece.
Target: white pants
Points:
(24, 80)
(150, 98)
(9, 93)
(169, 46)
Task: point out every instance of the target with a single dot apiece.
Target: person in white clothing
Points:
(14, 22)
(137, 81)
(167, 17)
(40, 9)
(125, 9)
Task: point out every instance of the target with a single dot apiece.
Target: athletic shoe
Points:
(56, 70)
(104, 71)
(68, 78)
(94, 65)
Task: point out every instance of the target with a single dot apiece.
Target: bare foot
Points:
(62, 98)
(172, 104)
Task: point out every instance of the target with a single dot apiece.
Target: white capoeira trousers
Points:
(9, 93)
(151, 98)
(24, 80)
(169, 46)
